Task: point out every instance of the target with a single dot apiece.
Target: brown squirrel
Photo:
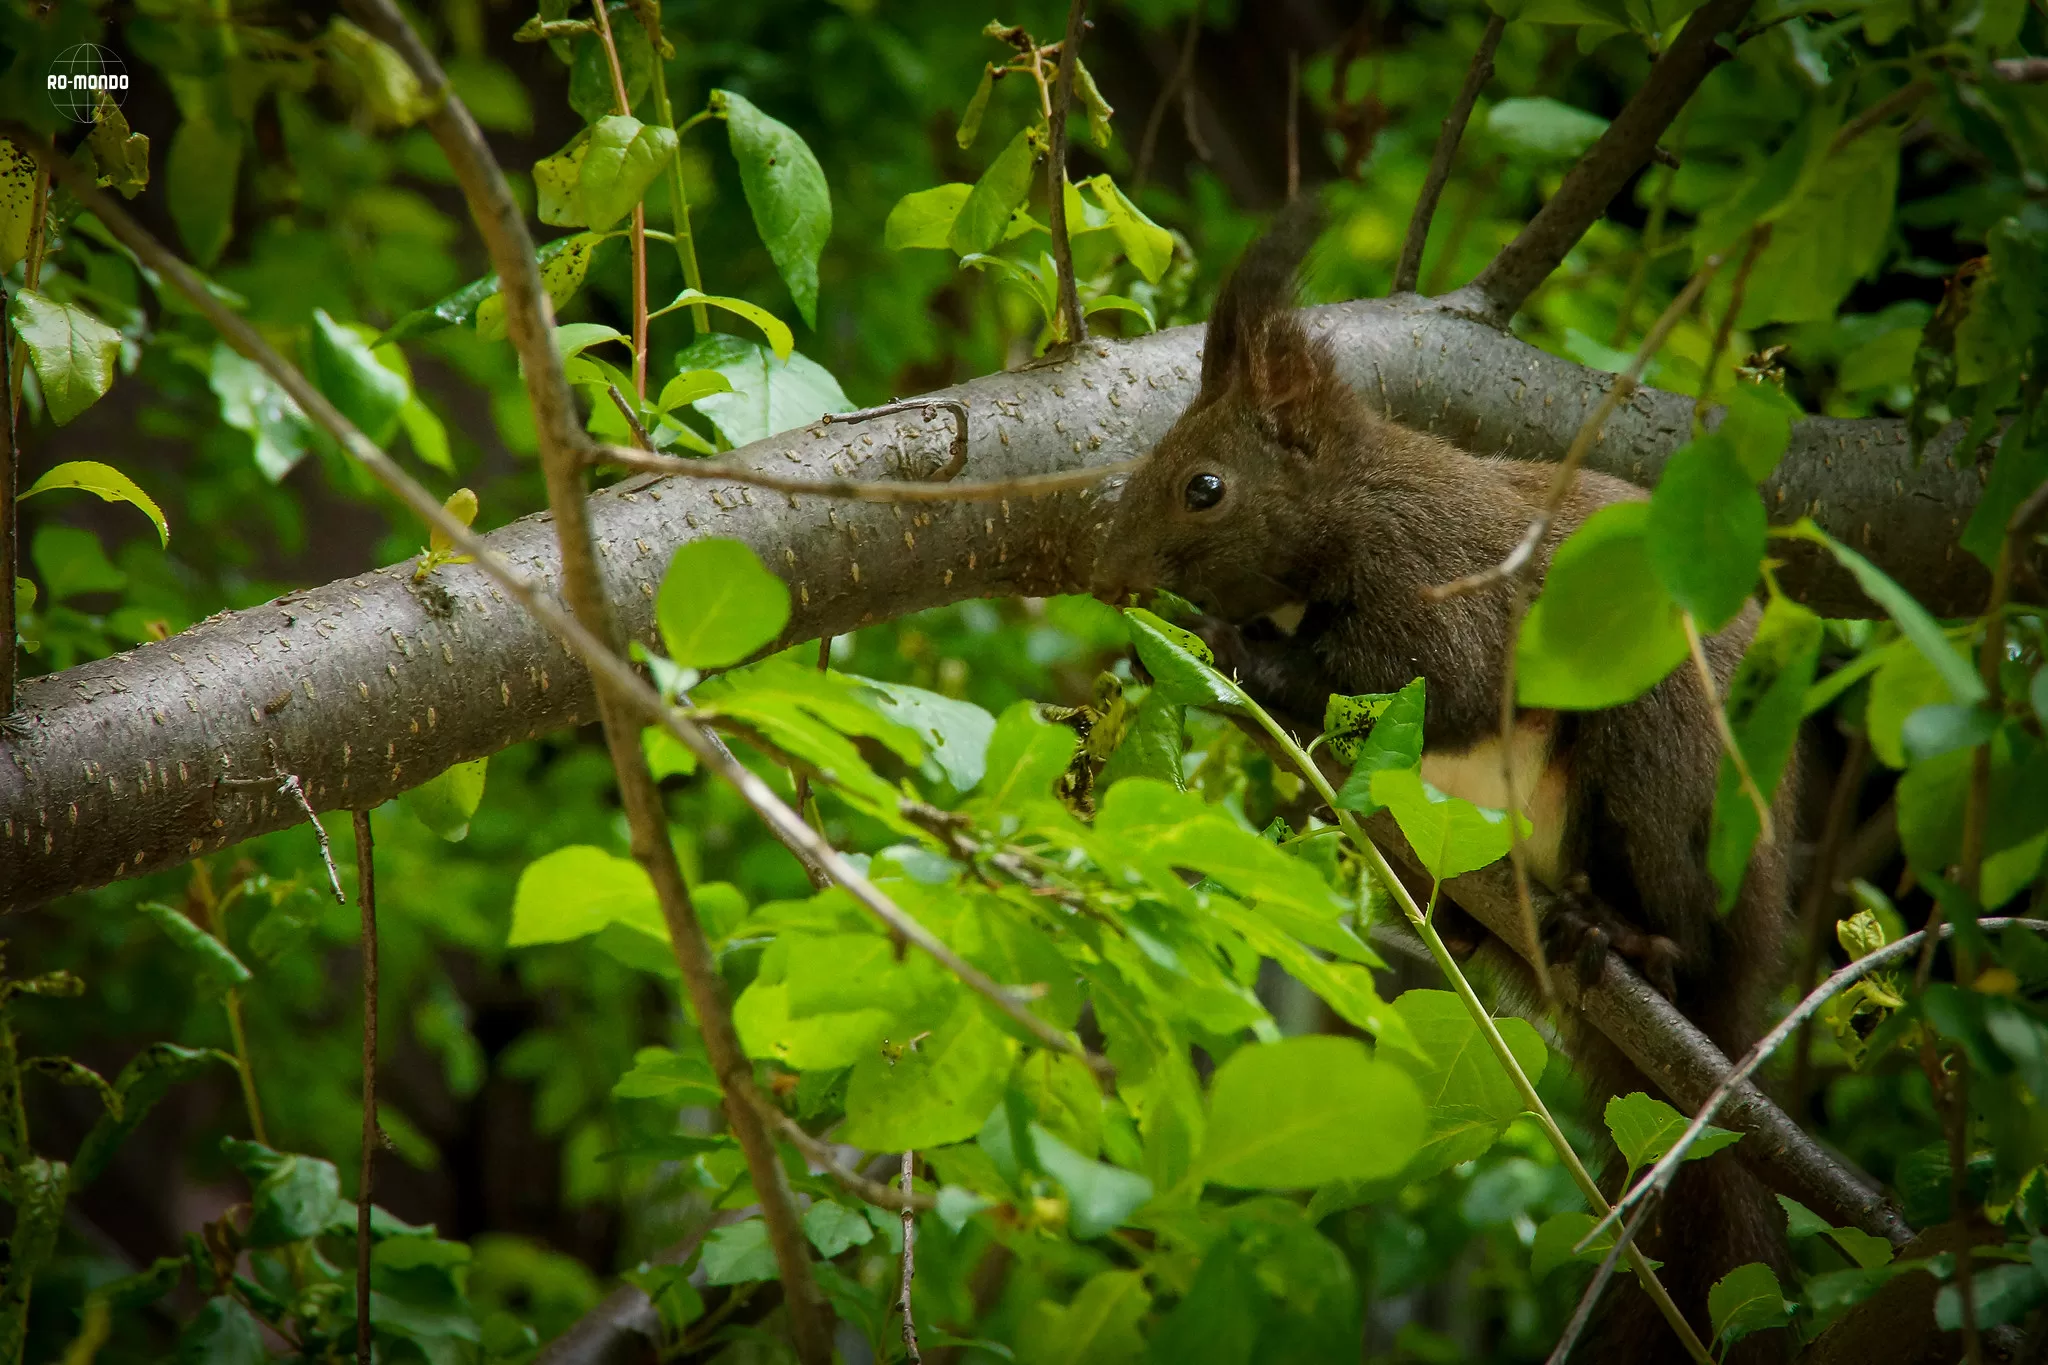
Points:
(1306, 525)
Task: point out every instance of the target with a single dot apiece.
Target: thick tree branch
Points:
(1409, 268)
(1599, 175)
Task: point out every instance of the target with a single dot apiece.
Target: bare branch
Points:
(1583, 1314)
(366, 897)
(1658, 1177)
(1608, 164)
(1073, 326)
(1409, 268)
(633, 423)
(1030, 486)
(1177, 84)
(289, 784)
(2022, 70)
(909, 1265)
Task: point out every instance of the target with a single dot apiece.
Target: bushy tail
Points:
(1262, 284)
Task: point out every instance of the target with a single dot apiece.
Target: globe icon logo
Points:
(79, 74)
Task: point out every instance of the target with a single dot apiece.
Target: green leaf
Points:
(1766, 699)
(1757, 424)
(2020, 467)
(768, 396)
(1467, 1095)
(1706, 531)
(73, 352)
(428, 436)
(1912, 619)
(738, 1253)
(578, 890)
(1644, 1129)
(375, 77)
(780, 338)
(1557, 1237)
(924, 218)
(938, 1092)
(2007, 306)
(678, 1079)
(689, 386)
(1393, 739)
(1306, 1111)
(977, 105)
(591, 92)
(1605, 629)
(1747, 1299)
(1829, 236)
(1451, 836)
(251, 401)
(121, 156)
(1117, 303)
(1026, 756)
(108, 482)
(1002, 187)
(1544, 129)
(786, 191)
(718, 604)
(955, 734)
(1100, 1327)
(1100, 1197)
(217, 969)
(620, 161)
(293, 1197)
(1154, 740)
(444, 804)
(200, 175)
(2000, 1293)
(221, 1333)
(564, 263)
(1180, 664)
(558, 184)
(1147, 245)
(17, 204)
(667, 1287)
(452, 309)
(354, 380)
(834, 1228)
(146, 1079)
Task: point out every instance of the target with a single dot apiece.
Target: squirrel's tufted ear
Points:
(1255, 339)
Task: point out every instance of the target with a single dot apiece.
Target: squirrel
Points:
(1306, 526)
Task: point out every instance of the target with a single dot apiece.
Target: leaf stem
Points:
(1767, 828)
(678, 196)
(366, 898)
(1421, 922)
(611, 56)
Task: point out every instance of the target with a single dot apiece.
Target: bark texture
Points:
(372, 684)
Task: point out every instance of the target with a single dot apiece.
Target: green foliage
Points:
(1605, 629)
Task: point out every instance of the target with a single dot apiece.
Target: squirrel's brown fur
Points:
(1332, 519)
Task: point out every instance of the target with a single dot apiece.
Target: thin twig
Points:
(603, 24)
(1293, 124)
(640, 436)
(822, 1155)
(1073, 323)
(1658, 1177)
(956, 460)
(1759, 238)
(855, 490)
(1652, 245)
(1182, 75)
(805, 806)
(1821, 890)
(1583, 1314)
(909, 1263)
(2022, 70)
(1594, 180)
(1898, 102)
(1409, 270)
(1766, 826)
(1588, 435)
(366, 897)
(289, 784)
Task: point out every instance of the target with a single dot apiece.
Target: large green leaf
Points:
(924, 218)
(200, 175)
(1543, 129)
(718, 603)
(221, 1333)
(293, 1197)
(1605, 629)
(1706, 531)
(1747, 1299)
(1180, 664)
(786, 191)
(1912, 619)
(445, 803)
(955, 733)
(738, 1253)
(578, 890)
(216, 969)
(1467, 1094)
(1003, 186)
(109, 483)
(73, 352)
(1765, 702)
(1450, 835)
(1391, 738)
(1026, 756)
(1306, 1111)
(768, 395)
(780, 339)
(251, 401)
(146, 1079)
(1100, 1327)
(1645, 1128)
(938, 1092)
(367, 392)
(1100, 1197)
(1829, 236)
(621, 159)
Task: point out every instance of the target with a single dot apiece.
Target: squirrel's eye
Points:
(1203, 492)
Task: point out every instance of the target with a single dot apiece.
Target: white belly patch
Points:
(1475, 775)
